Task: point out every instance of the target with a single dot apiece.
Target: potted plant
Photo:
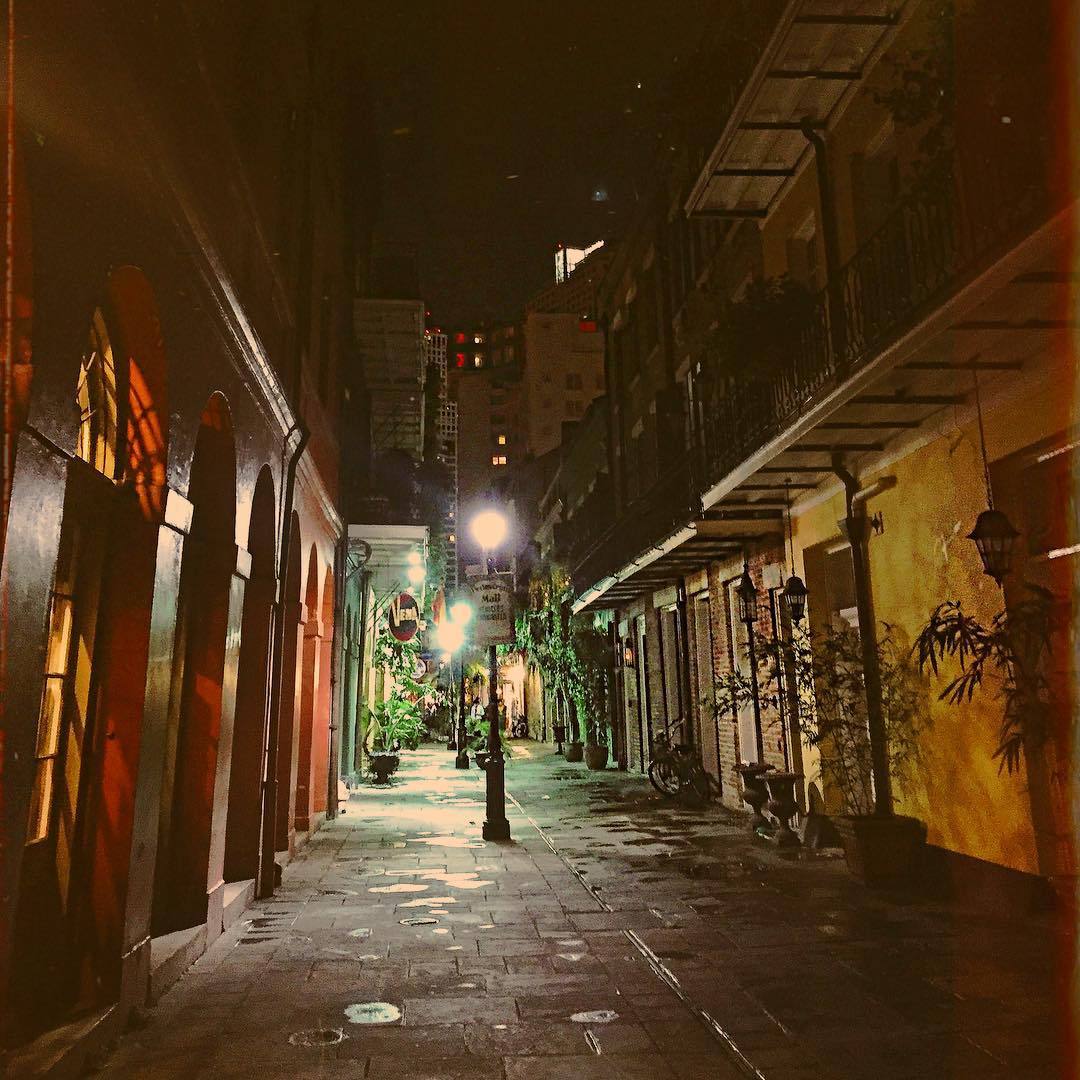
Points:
(391, 725)
(880, 846)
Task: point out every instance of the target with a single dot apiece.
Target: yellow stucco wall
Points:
(923, 558)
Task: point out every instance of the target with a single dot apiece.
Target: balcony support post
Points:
(857, 532)
(827, 211)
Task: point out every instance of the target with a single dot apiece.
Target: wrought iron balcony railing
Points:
(934, 242)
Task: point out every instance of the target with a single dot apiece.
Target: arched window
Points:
(98, 401)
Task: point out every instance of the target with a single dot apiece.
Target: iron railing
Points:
(937, 240)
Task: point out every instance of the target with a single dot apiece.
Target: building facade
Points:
(837, 319)
(181, 295)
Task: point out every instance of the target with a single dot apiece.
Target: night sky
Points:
(470, 94)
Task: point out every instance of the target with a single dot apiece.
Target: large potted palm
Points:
(824, 679)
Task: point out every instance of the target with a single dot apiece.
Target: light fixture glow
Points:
(489, 529)
(416, 575)
(461, 612)
(450, 636)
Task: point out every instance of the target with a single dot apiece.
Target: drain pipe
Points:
(856, 525)
(837, 328)
(266, 875)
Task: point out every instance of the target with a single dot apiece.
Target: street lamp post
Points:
(489, 531)
(747, 595)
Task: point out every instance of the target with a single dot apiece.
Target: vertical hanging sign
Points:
(494, 603)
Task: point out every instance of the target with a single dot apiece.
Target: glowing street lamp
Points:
(489, 529)
(461, 612)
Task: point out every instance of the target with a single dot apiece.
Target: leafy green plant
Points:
(824, 679)
(394, 724)
(1008, 657)
(571, 652)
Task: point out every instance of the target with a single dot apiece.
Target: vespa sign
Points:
(493, 600)
(404, 617)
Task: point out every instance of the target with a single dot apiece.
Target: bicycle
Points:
(675, 771)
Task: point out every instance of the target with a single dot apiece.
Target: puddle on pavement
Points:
(400, 887)
(595, 1016)
(362, 932)
(441, 930)
(428, 901)
(454, 948)
(418, 920)
(465, 986)
(370, 956)
(448, 841)
(572, 956)
(373, 1012)
(570, 943)
(317, 1037)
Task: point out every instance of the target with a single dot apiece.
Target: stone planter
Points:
(783, 805)
(575, 751)
(596, 756)
(882, 851)
(755, 794)
(383, 765)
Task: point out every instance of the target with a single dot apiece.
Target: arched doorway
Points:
(74, 882)
(288, 726)
(249, 726)
(309, 695)
(188, 781)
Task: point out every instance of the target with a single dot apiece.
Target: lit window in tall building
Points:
(478, 359)
(501, 440)
(460, 359)
(459, 338)
(498, 459)
(478, 339)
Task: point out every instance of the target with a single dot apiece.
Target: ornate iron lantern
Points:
(995, 538)
(794, 595)
(747, 593)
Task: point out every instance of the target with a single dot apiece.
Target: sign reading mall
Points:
(493, 600)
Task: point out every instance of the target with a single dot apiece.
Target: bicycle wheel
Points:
(663, 777)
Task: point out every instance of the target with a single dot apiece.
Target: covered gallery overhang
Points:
(1012, 320)
(386, 553)
(819, 53)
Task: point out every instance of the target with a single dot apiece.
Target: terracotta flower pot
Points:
(575, 751)
(596, 756)
(882, 850)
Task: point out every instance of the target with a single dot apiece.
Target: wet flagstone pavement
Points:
(618, 936)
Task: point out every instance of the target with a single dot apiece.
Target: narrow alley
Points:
(618, 935)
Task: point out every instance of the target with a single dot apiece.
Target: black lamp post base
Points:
(462, 759)
(496, 830)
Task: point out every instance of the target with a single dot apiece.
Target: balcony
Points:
(934, 243)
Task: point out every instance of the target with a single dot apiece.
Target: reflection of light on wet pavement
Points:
(428, 901)
(448, 841)
(595, 1016)
(573, 956)
(401, 886)
(373, 1012)
(361, 932)
(317, 1037)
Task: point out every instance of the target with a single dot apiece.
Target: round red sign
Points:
(404, 617)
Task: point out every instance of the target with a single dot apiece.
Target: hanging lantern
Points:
(794, 595)
(995, 538)
(747, 593)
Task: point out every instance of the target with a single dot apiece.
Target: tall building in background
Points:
(564, 372)
(441, 438)
(567, 258)
(576, 290)
(390, 341)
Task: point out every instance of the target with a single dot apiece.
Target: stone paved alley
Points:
(617, 936)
